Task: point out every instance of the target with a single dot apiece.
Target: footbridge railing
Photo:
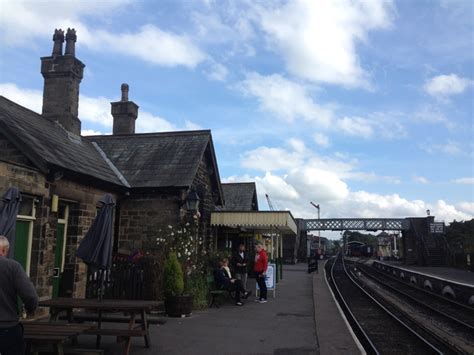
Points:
(370, 224)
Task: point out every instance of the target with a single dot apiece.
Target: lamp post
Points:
(428, 212)
(319, 230)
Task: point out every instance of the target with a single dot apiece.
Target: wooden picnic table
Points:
(130, 307)
(38, 333)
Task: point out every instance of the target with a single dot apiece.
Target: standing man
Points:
(260, 269)
(14, 283)
(240, 261)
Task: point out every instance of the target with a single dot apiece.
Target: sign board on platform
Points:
(437, 227)
(270, 279)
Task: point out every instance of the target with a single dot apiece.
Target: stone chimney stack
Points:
(62, 75)
(125, 113)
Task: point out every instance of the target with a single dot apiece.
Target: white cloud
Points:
(284, 98)
(150, 43)
(32, 99)
(465, 180)
(378, 125)
(217, 72)
(318, 39)
(294, 176)
(321, 140)
(271, 159)
(466, 207)
(23, 21)
(442, 86)
(432, 114)
(191, 126)
(449, 148)
(93, 110)
(420, 179)
(90, 132)
(356, 126)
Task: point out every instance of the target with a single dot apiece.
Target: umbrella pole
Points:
(101, 286)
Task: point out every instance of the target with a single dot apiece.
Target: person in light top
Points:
(260, 269)
(223, 280)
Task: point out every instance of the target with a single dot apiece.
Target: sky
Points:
(363, 107)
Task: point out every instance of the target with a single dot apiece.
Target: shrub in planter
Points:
(176, 304)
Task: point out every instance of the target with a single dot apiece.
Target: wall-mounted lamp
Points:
(54, 203)
(192, 201)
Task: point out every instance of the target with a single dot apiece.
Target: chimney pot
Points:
(71, 39)
(124, 89)
(58, 39)
(125, 113)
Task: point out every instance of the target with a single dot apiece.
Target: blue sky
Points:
(363, 107)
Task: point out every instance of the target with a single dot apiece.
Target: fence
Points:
(124, 280)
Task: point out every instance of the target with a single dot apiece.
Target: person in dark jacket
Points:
(223, 280)
(240, 260)
(14, 283)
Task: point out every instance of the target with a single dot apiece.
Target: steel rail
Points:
(416, 300)
(385, 309)
(364, 339)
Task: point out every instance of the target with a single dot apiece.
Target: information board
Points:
(437, 227)
(270, 279)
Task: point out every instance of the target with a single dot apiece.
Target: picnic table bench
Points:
(55, 335)
(131, 307)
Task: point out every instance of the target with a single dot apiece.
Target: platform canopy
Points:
(282, 221)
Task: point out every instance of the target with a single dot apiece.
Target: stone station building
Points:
(62, 175)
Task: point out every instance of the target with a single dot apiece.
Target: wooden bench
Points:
(41, 334)
(215, 291)
(109, 318)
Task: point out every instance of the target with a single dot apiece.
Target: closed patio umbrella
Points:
(96, 247)
(9, 206)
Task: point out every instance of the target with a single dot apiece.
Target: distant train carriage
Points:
(359, 249)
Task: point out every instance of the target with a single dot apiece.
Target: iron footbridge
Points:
(366, 224)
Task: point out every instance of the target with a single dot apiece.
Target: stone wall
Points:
(142, 214)
(208, 195)
(82, 201)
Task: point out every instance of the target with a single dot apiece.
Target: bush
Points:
(196, 286)
(173, 276)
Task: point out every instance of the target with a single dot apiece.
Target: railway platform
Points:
(446, 273)
(334, 334)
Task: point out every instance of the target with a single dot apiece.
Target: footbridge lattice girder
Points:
(342, 224)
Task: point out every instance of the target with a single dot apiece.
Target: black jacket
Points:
(237, 259)
(221, 278)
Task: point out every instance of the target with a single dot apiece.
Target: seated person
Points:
(223, 279)
(226, 267)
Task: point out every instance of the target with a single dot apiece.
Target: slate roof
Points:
(47, 143)
(240, 196)
(169, 159)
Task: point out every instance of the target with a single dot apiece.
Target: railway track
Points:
(377, 324)
(454, 318)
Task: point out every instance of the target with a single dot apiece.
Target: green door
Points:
(58, 259)
(22, 242)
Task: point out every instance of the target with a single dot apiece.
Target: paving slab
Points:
(333, 333)
(283, 326)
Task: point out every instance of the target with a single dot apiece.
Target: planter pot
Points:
(179, 306)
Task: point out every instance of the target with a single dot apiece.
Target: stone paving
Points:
(284, 325)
